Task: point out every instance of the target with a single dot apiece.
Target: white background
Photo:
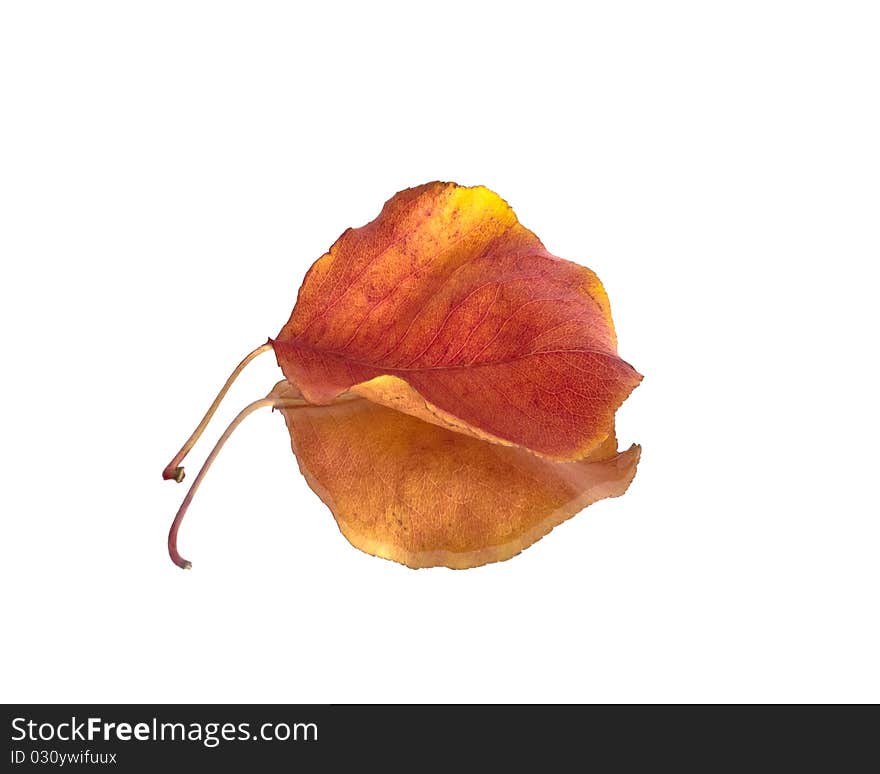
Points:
(170, 171)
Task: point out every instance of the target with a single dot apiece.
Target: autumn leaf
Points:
(450, 386)
(424, 496)
(445, 307)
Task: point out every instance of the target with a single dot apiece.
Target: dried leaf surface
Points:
(446, 308)
(424, 496)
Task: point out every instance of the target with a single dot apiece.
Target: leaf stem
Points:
(181, 512)
(242, 415)
(173, 469)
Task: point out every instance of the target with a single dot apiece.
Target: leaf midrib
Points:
(459, 366)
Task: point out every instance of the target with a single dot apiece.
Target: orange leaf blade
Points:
(424, 496)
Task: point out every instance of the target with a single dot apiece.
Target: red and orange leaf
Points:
(446, 308)
(424, 496)
(450, 385)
